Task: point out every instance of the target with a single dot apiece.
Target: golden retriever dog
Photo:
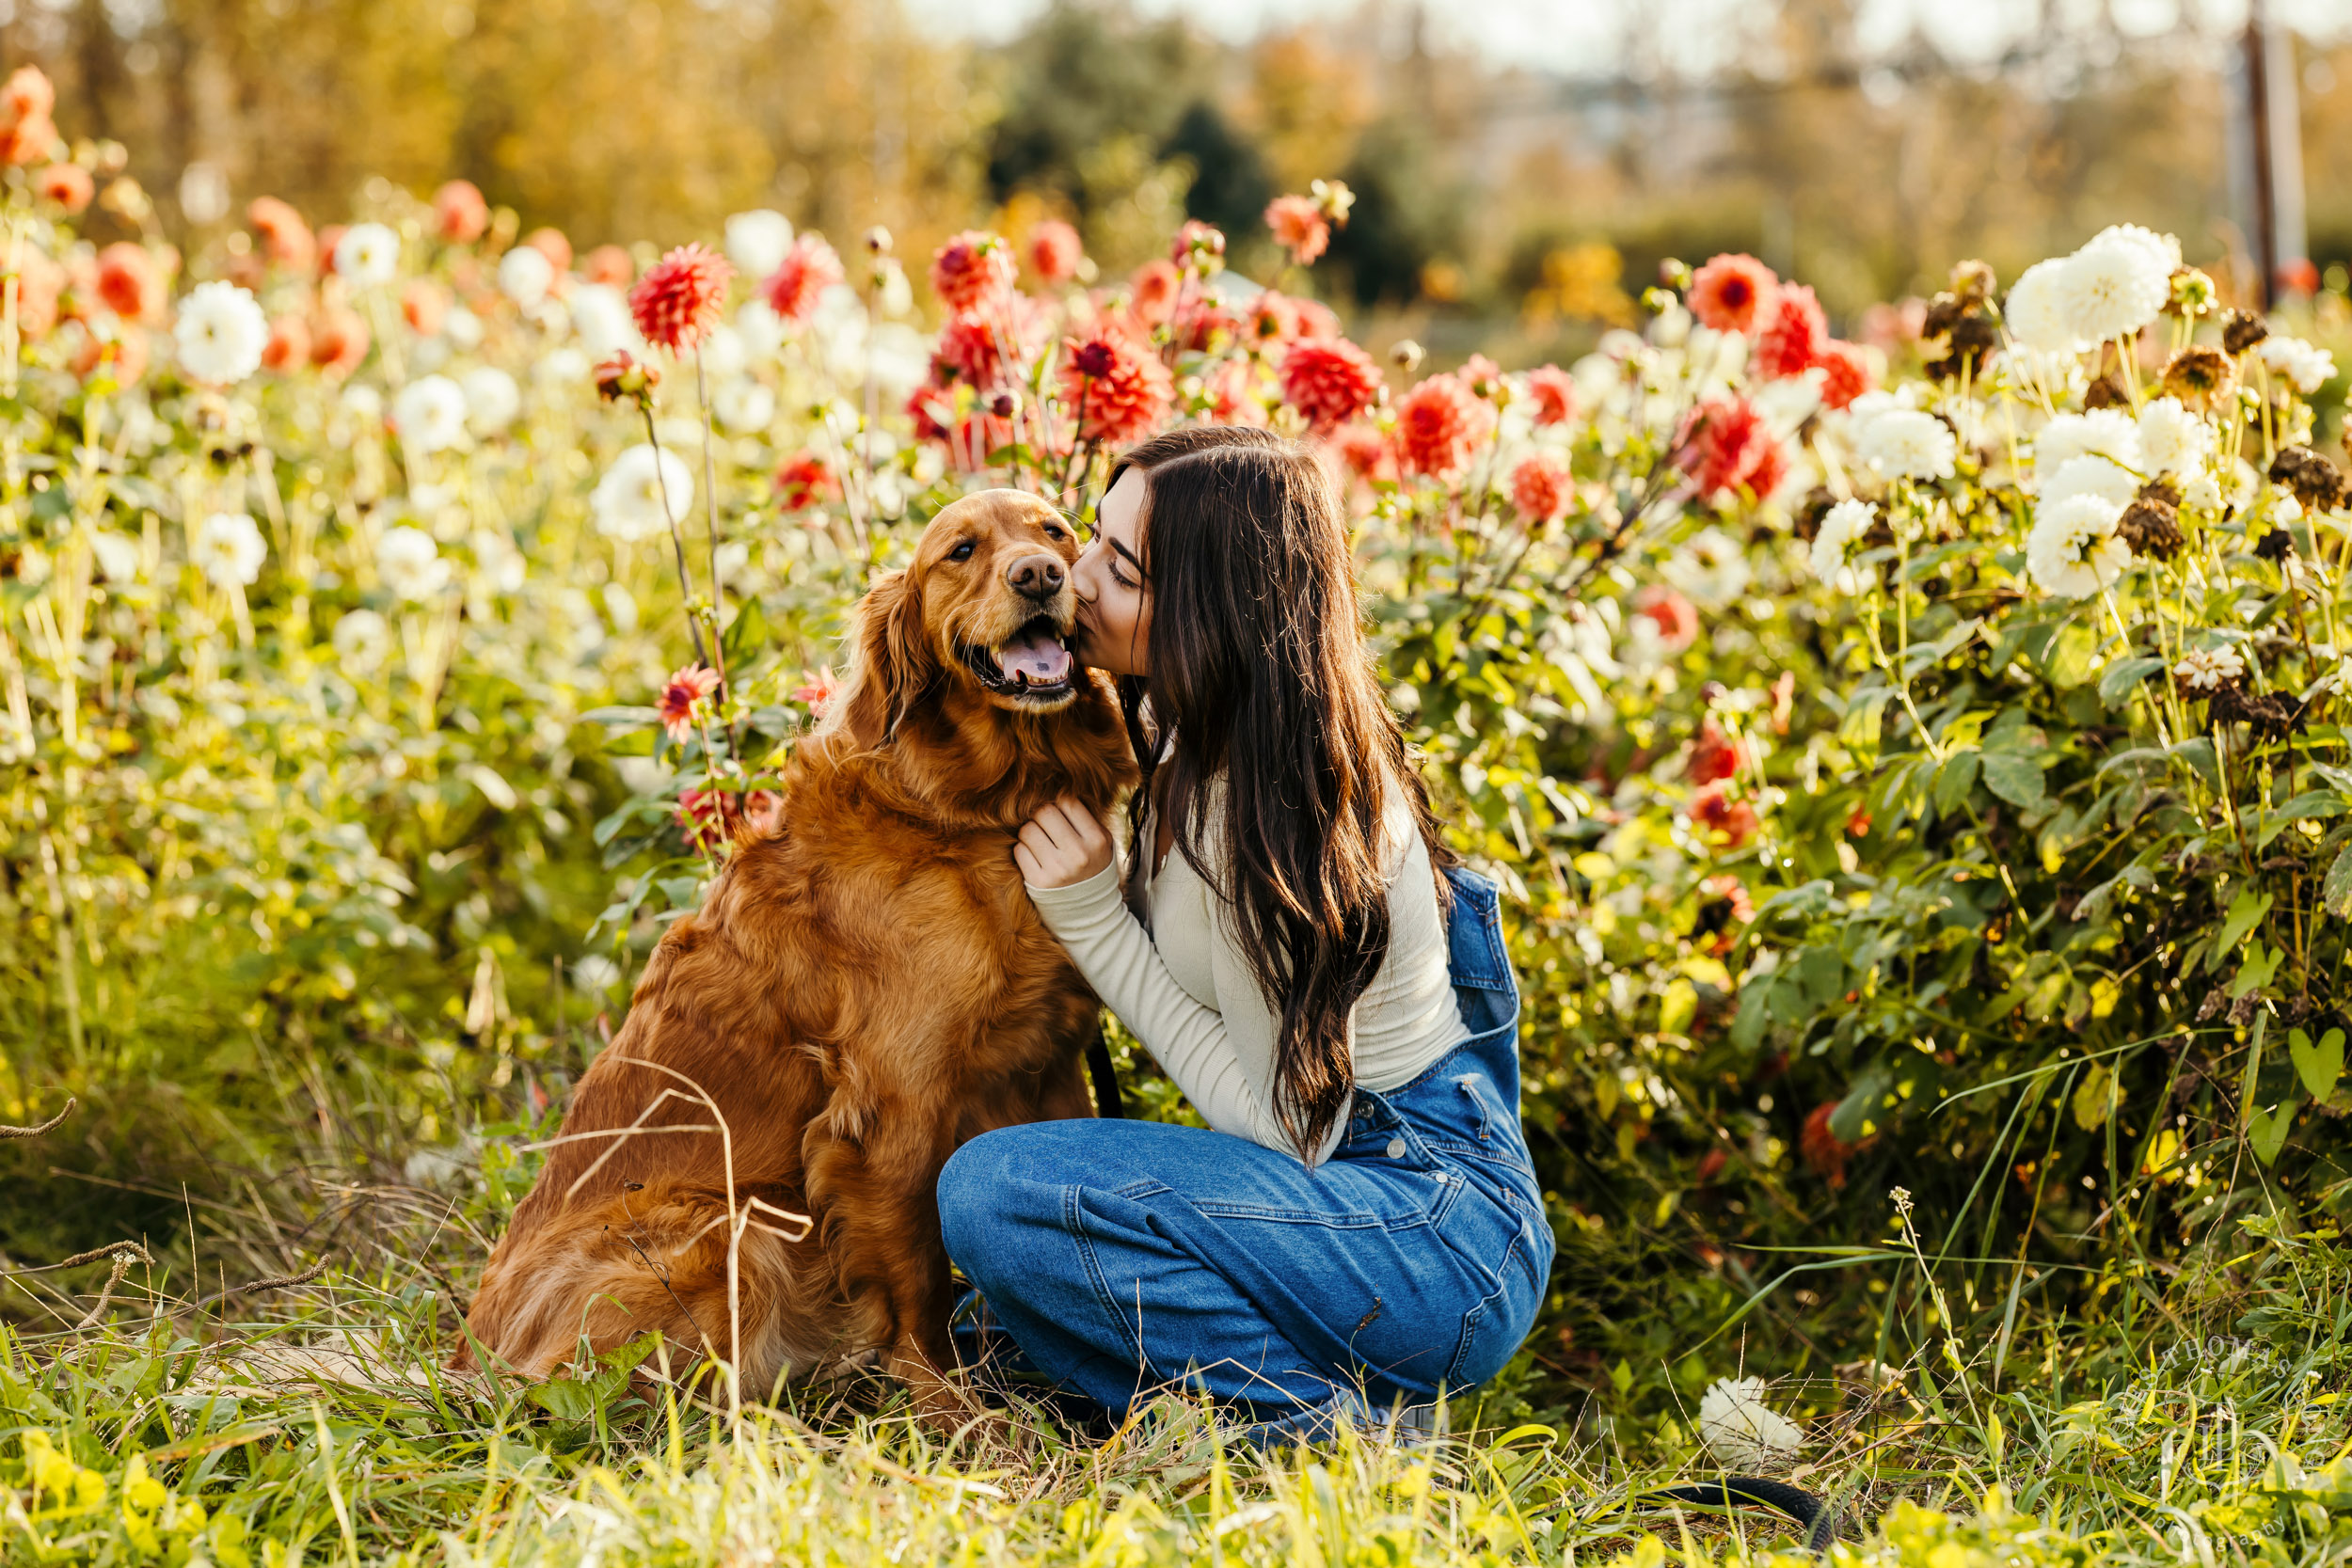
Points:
(865, 986)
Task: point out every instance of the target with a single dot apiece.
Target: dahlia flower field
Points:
(1916, 771)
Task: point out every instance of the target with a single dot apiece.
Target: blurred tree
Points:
(1404, 216)
(1084, 74)
(1230, 187)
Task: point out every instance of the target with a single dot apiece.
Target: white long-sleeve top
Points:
(1186, 990)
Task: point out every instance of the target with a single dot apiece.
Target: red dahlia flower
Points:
(973, 270)
(1677, 622)
(608, 264)
(817, 691)
(804, 480)
(286, 239)
(339, 341)
(552, 243)
(1197, 242)
(67, 184)
(809, 268)
(1727, 444)
(1791, 332)
(1299, 226)
(1553, 393)
(1330, 380)
(1366, 452)
(968, 349)
(1729, 292)
(1713, 811)
(1845, 374)
(1152, 298)
(1439, 424)
(289, 345)
(1714, 755)
(1115, 390)
(623, 375)
(1056, 250)
(424, 307)
(685, 687)
(129, 281)
(1823, 1150)
(27, 134)
(460, 212)
(681, 298)
(1541, 487)
(714, 817)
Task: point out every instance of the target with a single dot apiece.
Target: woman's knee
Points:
(988, 1187)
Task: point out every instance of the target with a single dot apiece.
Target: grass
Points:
(198, 1420)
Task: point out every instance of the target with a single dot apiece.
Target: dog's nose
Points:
(1035, 577)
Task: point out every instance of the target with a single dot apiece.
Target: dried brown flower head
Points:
(2151, 526)
(2105, 392)
(1973, 281)
(2192, 295)
(2242, 330)
(1806, 520)
(2202, 378)
(2316, 482)
(2277, 544)
(2268, 714)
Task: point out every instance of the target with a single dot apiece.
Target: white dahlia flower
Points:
(221, 333)
(526, 275)
(410, 563)
(2118, 283)
(756, 242)
(723, 357)
(1842, 528)
(367, 256)
(2308, 366)
(1742, 1431)
(2172, 437)
(2073, 550)
(362, 403)
(2202, 492)
(1713, 568)
(2209, 669)
(1907, 443)
(2036, 311)
(759, 329)
(743, 407)
(230, 550)
(560, 369)
(2089, 475)
(2108, 432)
(600, 318)
(430, 414)
(362, 638)
(492, 399)
(627, 502)
(118, 554)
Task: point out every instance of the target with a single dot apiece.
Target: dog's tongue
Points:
(1036, 657)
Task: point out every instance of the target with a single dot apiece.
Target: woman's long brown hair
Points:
(1259, 666)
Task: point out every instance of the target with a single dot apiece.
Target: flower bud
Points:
(624, 376)
(1094, 359)
(1333, 199)
(1406, 355)
(1004, 406)
(877, 241)
(1674, 273)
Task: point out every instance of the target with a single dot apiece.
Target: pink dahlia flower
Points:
(130, 283)
(1729, 292)
(460, 212)
(684, 689)
(286, 239)
(1056, 250)
(1845, 373)
(1727, 446)
(1330, 380)
(68, 185)
(1299, 226)
(1553, 393)
(1439, 424)
(681, 298)
(808, 269)
(1790, 334)
(972, 270)
(1541, 487)
(289, 345)
(1114, 389)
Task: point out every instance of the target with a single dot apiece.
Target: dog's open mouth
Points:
(1033, 662)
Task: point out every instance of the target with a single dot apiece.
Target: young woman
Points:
(1362, 1224)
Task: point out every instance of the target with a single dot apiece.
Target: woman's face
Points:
(1114, 610)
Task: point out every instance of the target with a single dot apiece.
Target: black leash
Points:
(1107, 1103)
(1820, 1520)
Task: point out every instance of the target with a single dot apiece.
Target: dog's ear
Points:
(895, 660)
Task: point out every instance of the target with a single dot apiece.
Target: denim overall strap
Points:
(1484, 986)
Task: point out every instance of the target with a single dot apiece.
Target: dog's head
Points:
(985, 608)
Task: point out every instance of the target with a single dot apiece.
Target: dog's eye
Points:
(1053, 533)
(963, 551)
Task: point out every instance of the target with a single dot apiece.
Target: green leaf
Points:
(1861, 725)
(2014, 778)
(2266, 1133)
(1755, 1015)
(1856, 1116)
(2122, 677)
(622, 716)
(2321, 803)
(2261, 964)
(2070, 656)
(746, 634)
(2094, 1098)
(1954, 780)
(2245, 912)
(2336, 890)
(2319, 1065)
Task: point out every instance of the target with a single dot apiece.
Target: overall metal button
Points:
(1396, 1148)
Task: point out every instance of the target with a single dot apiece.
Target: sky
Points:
(1580, 36)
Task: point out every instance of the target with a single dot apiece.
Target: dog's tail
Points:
(1820, 1520)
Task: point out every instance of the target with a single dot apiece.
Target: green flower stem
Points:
(678, 536)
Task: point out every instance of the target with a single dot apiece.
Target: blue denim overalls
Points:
(1124, 1256)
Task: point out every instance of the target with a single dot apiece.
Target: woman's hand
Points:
(1061, 845)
